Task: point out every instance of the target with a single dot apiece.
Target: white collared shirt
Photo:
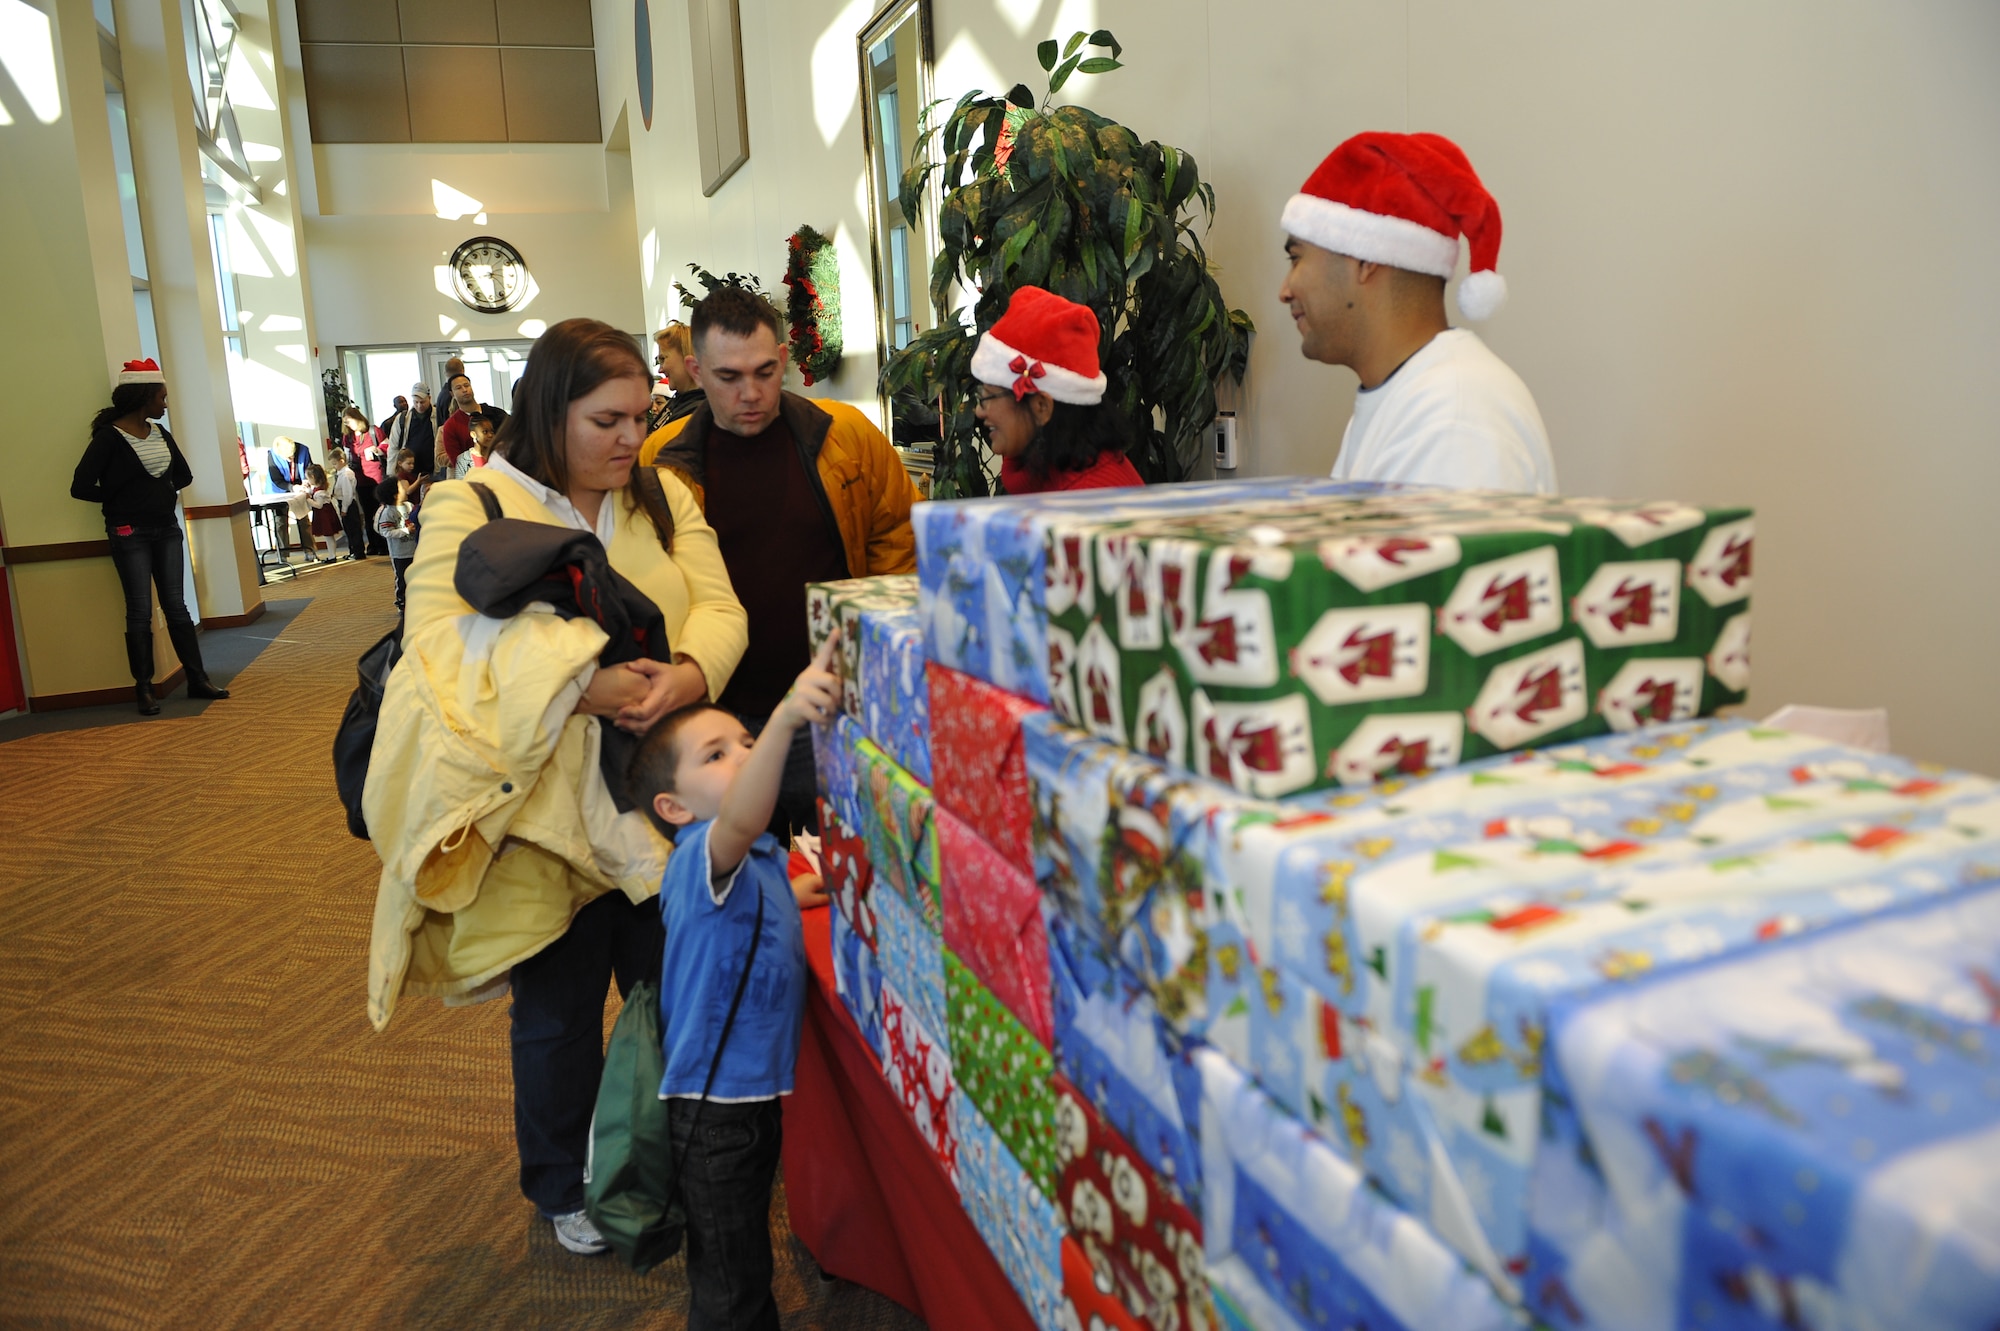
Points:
(559, 504)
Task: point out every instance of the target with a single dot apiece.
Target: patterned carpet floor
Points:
(198, 1128)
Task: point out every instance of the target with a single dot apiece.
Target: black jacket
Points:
(112, 475)
(420, 440)
(508, 562)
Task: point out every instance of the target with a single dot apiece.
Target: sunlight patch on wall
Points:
(857, 275)
(267, 396)
(446, 325)
(649, 258)
(246, 259)
(964, 66)
(532, 328)
(245, 89)
(451, 204)
(1074, 16)
(279, 323)
(28, 53)
(277, 239)
(262, 152)
(292, 351)
(1020, 15)
(836, 89)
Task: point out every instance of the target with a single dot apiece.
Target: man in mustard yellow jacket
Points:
(797, 491)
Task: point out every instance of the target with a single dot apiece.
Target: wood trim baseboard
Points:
(250, 616)
(62, 702)
(49, 554)
(199, 511)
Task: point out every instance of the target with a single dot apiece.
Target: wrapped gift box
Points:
(1320, 1243)
(1010, 1211)
(897, 826)
(1128, 1225)
(840, 785)
(993, 923)
(1111, 1043)
(983, 571)
(1088, 1300)
(911, 956)
(918, 1068)
(1003, 1070)
(858, 981)
(844, 868)
(881, 659)
(1284, 646)
(1809, 1136)
(977, 761)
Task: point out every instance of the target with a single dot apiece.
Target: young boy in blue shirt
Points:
(712, 790)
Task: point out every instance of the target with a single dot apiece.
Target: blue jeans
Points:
(557, 1035)
(149, 557)
(726, 1175)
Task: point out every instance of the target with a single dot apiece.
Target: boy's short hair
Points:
(386, 493)
(735, 310)
(654, 763)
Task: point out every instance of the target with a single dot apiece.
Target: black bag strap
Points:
(487, 500)
(735, 1001)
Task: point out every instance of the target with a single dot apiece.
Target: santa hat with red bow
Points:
(141, 372)
(1042, 344)
(1404, 200)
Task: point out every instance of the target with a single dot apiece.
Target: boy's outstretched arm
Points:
(747, 804)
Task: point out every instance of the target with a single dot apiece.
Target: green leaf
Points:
(1061, 76)
(1103, 37)
(1135, 227)
(1076, 39)
(1010, 253)
(1019, 95)
(1099, 65)
(1046, 53)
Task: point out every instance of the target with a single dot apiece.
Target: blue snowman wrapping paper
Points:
(858, 980)
(881, 659)
(1019, 1224)
(911, 955)
(1807, 1136)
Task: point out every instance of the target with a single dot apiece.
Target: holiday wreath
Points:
(812, 271)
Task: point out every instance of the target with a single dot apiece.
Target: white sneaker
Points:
(575, 1232)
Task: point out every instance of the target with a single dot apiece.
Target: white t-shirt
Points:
(1452, 415)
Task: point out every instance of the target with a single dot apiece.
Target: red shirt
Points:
(1111, 471)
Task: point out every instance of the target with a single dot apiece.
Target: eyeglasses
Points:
(989, 397)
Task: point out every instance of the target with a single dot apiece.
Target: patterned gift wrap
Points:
(1010, 1211)
(1004, 1071)
(881, 659)
(1396, 978)
(844, 868)
(1241, 1303)
(993, 923)
(1807, 1137)
(858, 981)
(982, 567)
(1113, 1046)
(979, 771)
(840, 785)
(897, 826)
(912, 959)
(918, 1068)
(1089, 1303)
(1288, 645)
(1139, 1239)
(1319, 1243)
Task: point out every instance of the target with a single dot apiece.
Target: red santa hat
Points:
(1042, 344)
(1404, 200)
(141, 372)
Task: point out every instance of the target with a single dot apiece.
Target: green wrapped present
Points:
(1004, 1071)
(897, 823)
(1307, 642)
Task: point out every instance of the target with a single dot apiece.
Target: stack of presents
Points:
(1302, 904)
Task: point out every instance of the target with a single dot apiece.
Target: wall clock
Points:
(489, 275)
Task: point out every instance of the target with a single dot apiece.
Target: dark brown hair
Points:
(736, 310)
(657, 760)
(572, 360)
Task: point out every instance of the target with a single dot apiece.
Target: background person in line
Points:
(134, 469)
(1372, 237)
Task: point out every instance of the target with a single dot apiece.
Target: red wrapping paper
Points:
(1092, 1302)
(844, 867)
(1134, 1236)
(993, 922)
(918, 1067)
(977, 768)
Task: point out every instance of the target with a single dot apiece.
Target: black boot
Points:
(139, 655)
(187, 646)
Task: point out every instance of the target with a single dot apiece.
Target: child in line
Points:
(712, 790)
(395, 521)
(299, 506)
(347, 502)
(325, 517)
(481, 426)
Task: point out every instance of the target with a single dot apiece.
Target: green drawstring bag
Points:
(631, 1187)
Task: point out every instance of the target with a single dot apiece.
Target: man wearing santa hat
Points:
(1373, 237)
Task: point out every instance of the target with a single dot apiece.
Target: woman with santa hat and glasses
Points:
(135, 470)
(1041, 402)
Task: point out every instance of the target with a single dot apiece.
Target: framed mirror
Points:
(896, 55)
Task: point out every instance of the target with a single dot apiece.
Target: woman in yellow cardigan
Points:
(505, 862)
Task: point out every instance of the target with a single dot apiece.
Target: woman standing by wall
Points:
(506, 861)
(135, 470)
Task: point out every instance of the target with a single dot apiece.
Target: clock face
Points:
(488, 274)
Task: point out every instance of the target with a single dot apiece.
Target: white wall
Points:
(1749, 249)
